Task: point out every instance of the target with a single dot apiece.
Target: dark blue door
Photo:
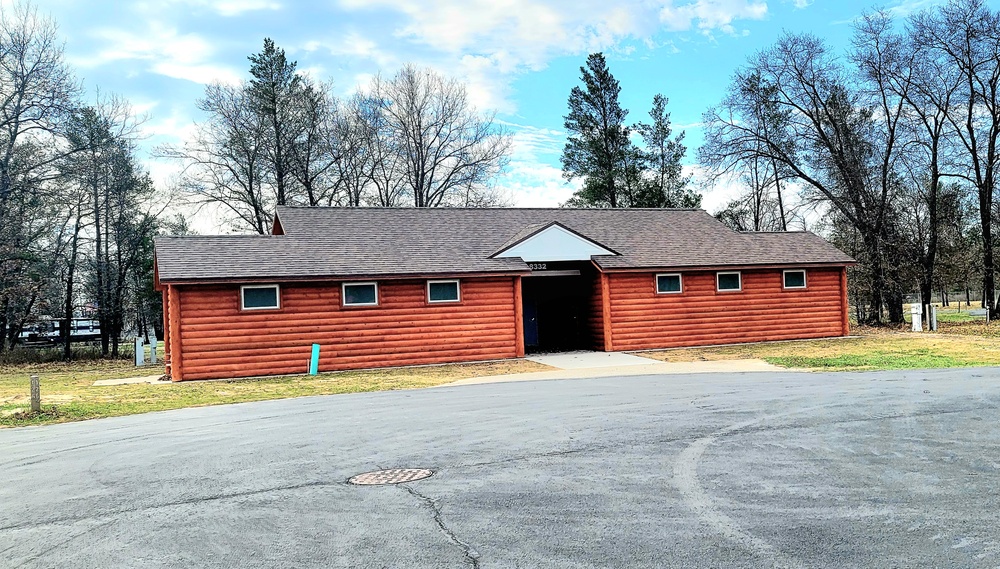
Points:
(530, 322)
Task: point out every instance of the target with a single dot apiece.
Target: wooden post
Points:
(606, 311)
(36, 394)
(518, 319)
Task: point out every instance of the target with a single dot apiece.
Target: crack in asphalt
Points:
(189, 501)
(470, 552)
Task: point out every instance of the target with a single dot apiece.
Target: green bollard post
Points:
(314, 362)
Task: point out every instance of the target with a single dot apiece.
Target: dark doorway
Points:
(556, 301)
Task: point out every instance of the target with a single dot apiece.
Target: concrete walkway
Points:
(570, 365)
(150, 379)
(587, 360)
(578, 365)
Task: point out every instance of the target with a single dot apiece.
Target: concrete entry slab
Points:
(589, 360)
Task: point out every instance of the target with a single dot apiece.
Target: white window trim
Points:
(343, 294)
(805, 279)
(680, 280)
(458, 289)
(720, 273)
(277, 297)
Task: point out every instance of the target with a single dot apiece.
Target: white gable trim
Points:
(555, 243)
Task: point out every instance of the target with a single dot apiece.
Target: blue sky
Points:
(520, 57)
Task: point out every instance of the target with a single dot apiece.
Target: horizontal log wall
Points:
(699, 316)
(595, 313)
(220, 341)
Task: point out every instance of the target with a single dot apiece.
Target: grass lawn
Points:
(68, 393)
(872, 350)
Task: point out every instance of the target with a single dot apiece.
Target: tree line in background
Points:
(409, 140)
(891, 150)
(77, 214)
(893, 144)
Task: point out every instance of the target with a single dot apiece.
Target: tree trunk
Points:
(68, 308)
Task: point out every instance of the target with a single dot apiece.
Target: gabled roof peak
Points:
(552, 241)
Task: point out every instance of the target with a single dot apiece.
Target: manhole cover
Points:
(391, 476)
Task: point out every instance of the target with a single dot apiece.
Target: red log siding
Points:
(595, 313)
(220, 340)
(762, 311)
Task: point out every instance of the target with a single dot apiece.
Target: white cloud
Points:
(486, 42)
(237, 7)
(168, 52)
(532, 180)
(708, 15)
(354, 45)
(537, 185)
(203, 74)
(226, 8)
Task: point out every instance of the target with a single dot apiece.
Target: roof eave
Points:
(714, 267)
(338, 278)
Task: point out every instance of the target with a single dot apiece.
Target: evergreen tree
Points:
(598, 149)
(273, 94)
(664, 183)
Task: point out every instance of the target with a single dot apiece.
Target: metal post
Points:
(314, 361)
(933, 319)
(152, 348)
(36, 394)
(140, 357)
(915, 317)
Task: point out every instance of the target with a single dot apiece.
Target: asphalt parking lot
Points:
(891, 469)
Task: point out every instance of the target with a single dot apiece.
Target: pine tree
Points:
(598, 149)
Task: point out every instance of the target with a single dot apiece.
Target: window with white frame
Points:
(360, 294)
(443, 291)
(794, 279)
(260, 297)
(729, 281)
(668, 283)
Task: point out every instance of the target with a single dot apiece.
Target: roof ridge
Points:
(239, 235)
(403, 208)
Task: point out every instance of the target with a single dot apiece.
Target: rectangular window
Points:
(666, 284)
(443, 291)
(259, 297)
(728, 281)
(795, 279)
(360, 294)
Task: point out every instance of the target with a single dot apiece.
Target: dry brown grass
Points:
(870, 349)
(70, 389)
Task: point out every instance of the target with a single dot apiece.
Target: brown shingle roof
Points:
(361, 242)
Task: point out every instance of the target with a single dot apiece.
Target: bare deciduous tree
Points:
(841, 145)
(225, 161)
(449, 153)
(965, 36)
(37, 91)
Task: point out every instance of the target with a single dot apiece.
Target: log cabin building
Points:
(390, 287)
